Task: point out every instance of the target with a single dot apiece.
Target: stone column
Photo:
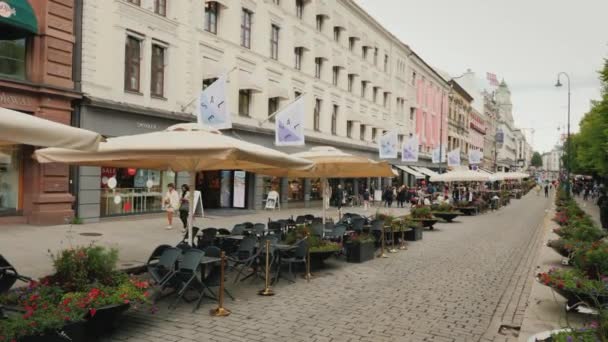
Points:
(89, 194)
(307, 187)
(284, 188)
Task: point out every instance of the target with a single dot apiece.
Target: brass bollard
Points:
(267, 291)
(382, 255)
(402, 244)
(392, 250)
(221, 311)
(308, 274)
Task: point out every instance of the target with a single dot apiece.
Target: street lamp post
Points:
(569, 166)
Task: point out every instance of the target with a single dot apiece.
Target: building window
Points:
(374, 134)
(336, 34)
(212, 10)
(298, 53)
(318, 67)
(277, 2)
(320, 21)
(157, 84)
(246, 28)
(351, 43)
(12, 58)
(134, 2)
(362, 132)
(334, 120)
(375, 94)
(385, 100)
(296, 94)
(300, 9)
(376, 56)
(132, 63)
(317, 115)
(364, 52)
(413, 78)
(273, 106)
(274, 42)
(385, 63)
(349, 129)
(363, 88)
(351, 81)
(160, 7)
(336, 75)
(208, 81)
(244, 102)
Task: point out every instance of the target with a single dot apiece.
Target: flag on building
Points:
(388, 145)
(213, 105)
(289, 124)
(492, 79)
(409, 151)
(454, 157)
(475, 156)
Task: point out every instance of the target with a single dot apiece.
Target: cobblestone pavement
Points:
(460, 283)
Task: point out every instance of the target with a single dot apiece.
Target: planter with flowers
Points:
(360, 248)
(424, 216)
(83, 298)
(445, 212)
(576, 287)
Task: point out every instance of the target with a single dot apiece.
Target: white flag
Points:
(213, 108)
(388, 145)
(454, 157)
(289, 125)
(409, 151)
(435, 156)
(475, 157)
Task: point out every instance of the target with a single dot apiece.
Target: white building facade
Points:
(144, 62)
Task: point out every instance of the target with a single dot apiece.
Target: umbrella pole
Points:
(192, 186)
(324, 182)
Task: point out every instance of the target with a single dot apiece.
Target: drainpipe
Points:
(77, 79)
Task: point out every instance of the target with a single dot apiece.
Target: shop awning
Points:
(224, 3)
(411, 171)
(276, 90)
(425, 171)
(17, 19)
(248, 81)
(321, 52)
(212, 69)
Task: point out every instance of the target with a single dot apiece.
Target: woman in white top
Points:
(184, 206)
(171, 203)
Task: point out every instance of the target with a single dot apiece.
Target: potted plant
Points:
(445, 211)
(320, 249)
(414, 230)
(576, 287)
(360, 248)
(424, 215)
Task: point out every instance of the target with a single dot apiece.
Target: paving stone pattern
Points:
(460, 283)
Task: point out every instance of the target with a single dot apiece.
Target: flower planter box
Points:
(575, 298)
(449, 217)
(468, 211)
(413, 234)
(74, 332)
(105, 319)
(427, 223)
(317, 259)
(360, 252)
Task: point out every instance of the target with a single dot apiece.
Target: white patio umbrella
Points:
(20, 128)
(330, 162)
(183, 147)
(461, 175)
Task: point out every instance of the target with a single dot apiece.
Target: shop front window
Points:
(316, 189)
(10, 171)
(136, 191)
(295, 191)
(12, 58)
(271, 184)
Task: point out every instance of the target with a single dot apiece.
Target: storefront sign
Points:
(14, 99)
(146, 125)
(239, 189)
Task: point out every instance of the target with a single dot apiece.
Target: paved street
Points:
(461, 283)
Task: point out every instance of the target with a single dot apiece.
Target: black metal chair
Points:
(207, 238)
(317, 229)
(213, 275)
(163, 270)
(191, 277)
(357, 224)
(248, 225)
(337, 233)
(298, 256)
(301, 219)
(9, 275)
(259, 229)
(245, 256)
(315, 219)
(275, 228)
(376, 230)
(239, 229)
(223, 231)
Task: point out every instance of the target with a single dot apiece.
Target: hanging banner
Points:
(388, 145)
(454, 157)
(409, 151)
(213, 106)
(289, 125)
(435, 156)
(475, 157)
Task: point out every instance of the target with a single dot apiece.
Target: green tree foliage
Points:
(537, 160)
(589, 147)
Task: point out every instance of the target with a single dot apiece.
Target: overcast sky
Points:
(526, 42)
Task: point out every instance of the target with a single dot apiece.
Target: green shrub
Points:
(77, 268)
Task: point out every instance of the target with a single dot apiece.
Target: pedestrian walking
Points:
(547, 190)
(538, 189)
(602, 202)
(366, 196)
(401, 196)
(339, 197)
(388, 197)
(171, 202)
(184, 206)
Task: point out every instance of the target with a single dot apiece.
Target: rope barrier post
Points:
(267, 291)
(382, 255)
(221, 311)
(393, 249)
(308, 274)
(402, 244)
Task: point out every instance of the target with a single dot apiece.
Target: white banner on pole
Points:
(213, 108)
(435, 156)
(289, 125)
(409, 151)
(388, 145)
(454, 157)
(475, 157)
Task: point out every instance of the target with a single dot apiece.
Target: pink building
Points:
(429, 114)
(477, 131)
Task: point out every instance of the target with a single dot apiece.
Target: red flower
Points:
(126, 301)
(67, 301)
(560, 285)
(92, 312)
(34, 297)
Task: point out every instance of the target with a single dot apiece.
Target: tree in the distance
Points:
(537, 160)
